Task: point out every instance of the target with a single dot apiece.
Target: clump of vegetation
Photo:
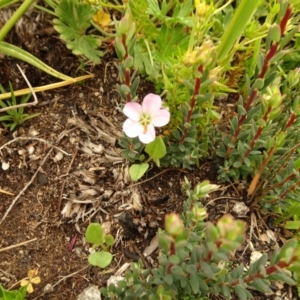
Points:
(194, 259)
(14, 112)
(194, 52)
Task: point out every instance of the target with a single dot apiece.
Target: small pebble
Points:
(42, 179)
(5, 166)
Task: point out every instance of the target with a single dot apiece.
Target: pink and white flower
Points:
(143, 118)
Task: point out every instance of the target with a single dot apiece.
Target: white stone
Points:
(5, 166)
(90, 293)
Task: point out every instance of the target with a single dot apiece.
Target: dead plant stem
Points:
(17, 245)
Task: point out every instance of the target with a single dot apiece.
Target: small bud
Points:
(124, 24)
(198, 213)
(272, 97)
(201, 8)
(199, 56)
(120, 49)
(293, 77)
(204, 188)
(173, 224)
(229, 228)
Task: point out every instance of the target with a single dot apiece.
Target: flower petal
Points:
(30, 288)
(24, 282)
(161, 118)
(133, 111)
(132, 128)
(149, 136)
(36, 280)
(151, 104)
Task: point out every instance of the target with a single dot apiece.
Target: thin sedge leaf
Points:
(5, 118)
(2, 104)
(13, 51)
(28, 117)
(13, 126)
(13, 98)
(242, 16)
(25, 99)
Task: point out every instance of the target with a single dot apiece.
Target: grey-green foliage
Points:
(194, 260)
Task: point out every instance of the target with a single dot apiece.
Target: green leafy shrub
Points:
(194, 259)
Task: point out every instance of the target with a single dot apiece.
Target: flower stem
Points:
(192, 103)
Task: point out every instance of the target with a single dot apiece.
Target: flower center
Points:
(145, 120)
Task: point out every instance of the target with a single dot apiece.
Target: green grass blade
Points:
(25, 99)
(28, 117)
(14, 18)
(4, 3)
(242, 16)
(19, 53)
(5, 118)
(13, 98)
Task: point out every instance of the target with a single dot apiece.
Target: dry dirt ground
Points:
(68, 159)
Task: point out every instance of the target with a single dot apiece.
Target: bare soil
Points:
(70, 153)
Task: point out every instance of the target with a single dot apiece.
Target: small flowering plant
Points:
(26, 287)
(143, 118)
(31, 279)
(140, 127)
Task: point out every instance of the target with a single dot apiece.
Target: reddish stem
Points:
(293, 187)
(192, 103)
(125, 46)
(258, 133)
(272, 51)
(171, 252)
(269, 270)
(291, 121)
(285, 19)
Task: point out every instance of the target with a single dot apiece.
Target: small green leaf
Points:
(207, 270)
(100, 259)
(237, 164)
(156, 149)
(261, 285)
(136, 171)
(202, 284)
(194, 282)
(240, 291)
(295, 225)
(281, 276)
(109, 240)
(174, 260)
(94, 234)
(226, 291)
